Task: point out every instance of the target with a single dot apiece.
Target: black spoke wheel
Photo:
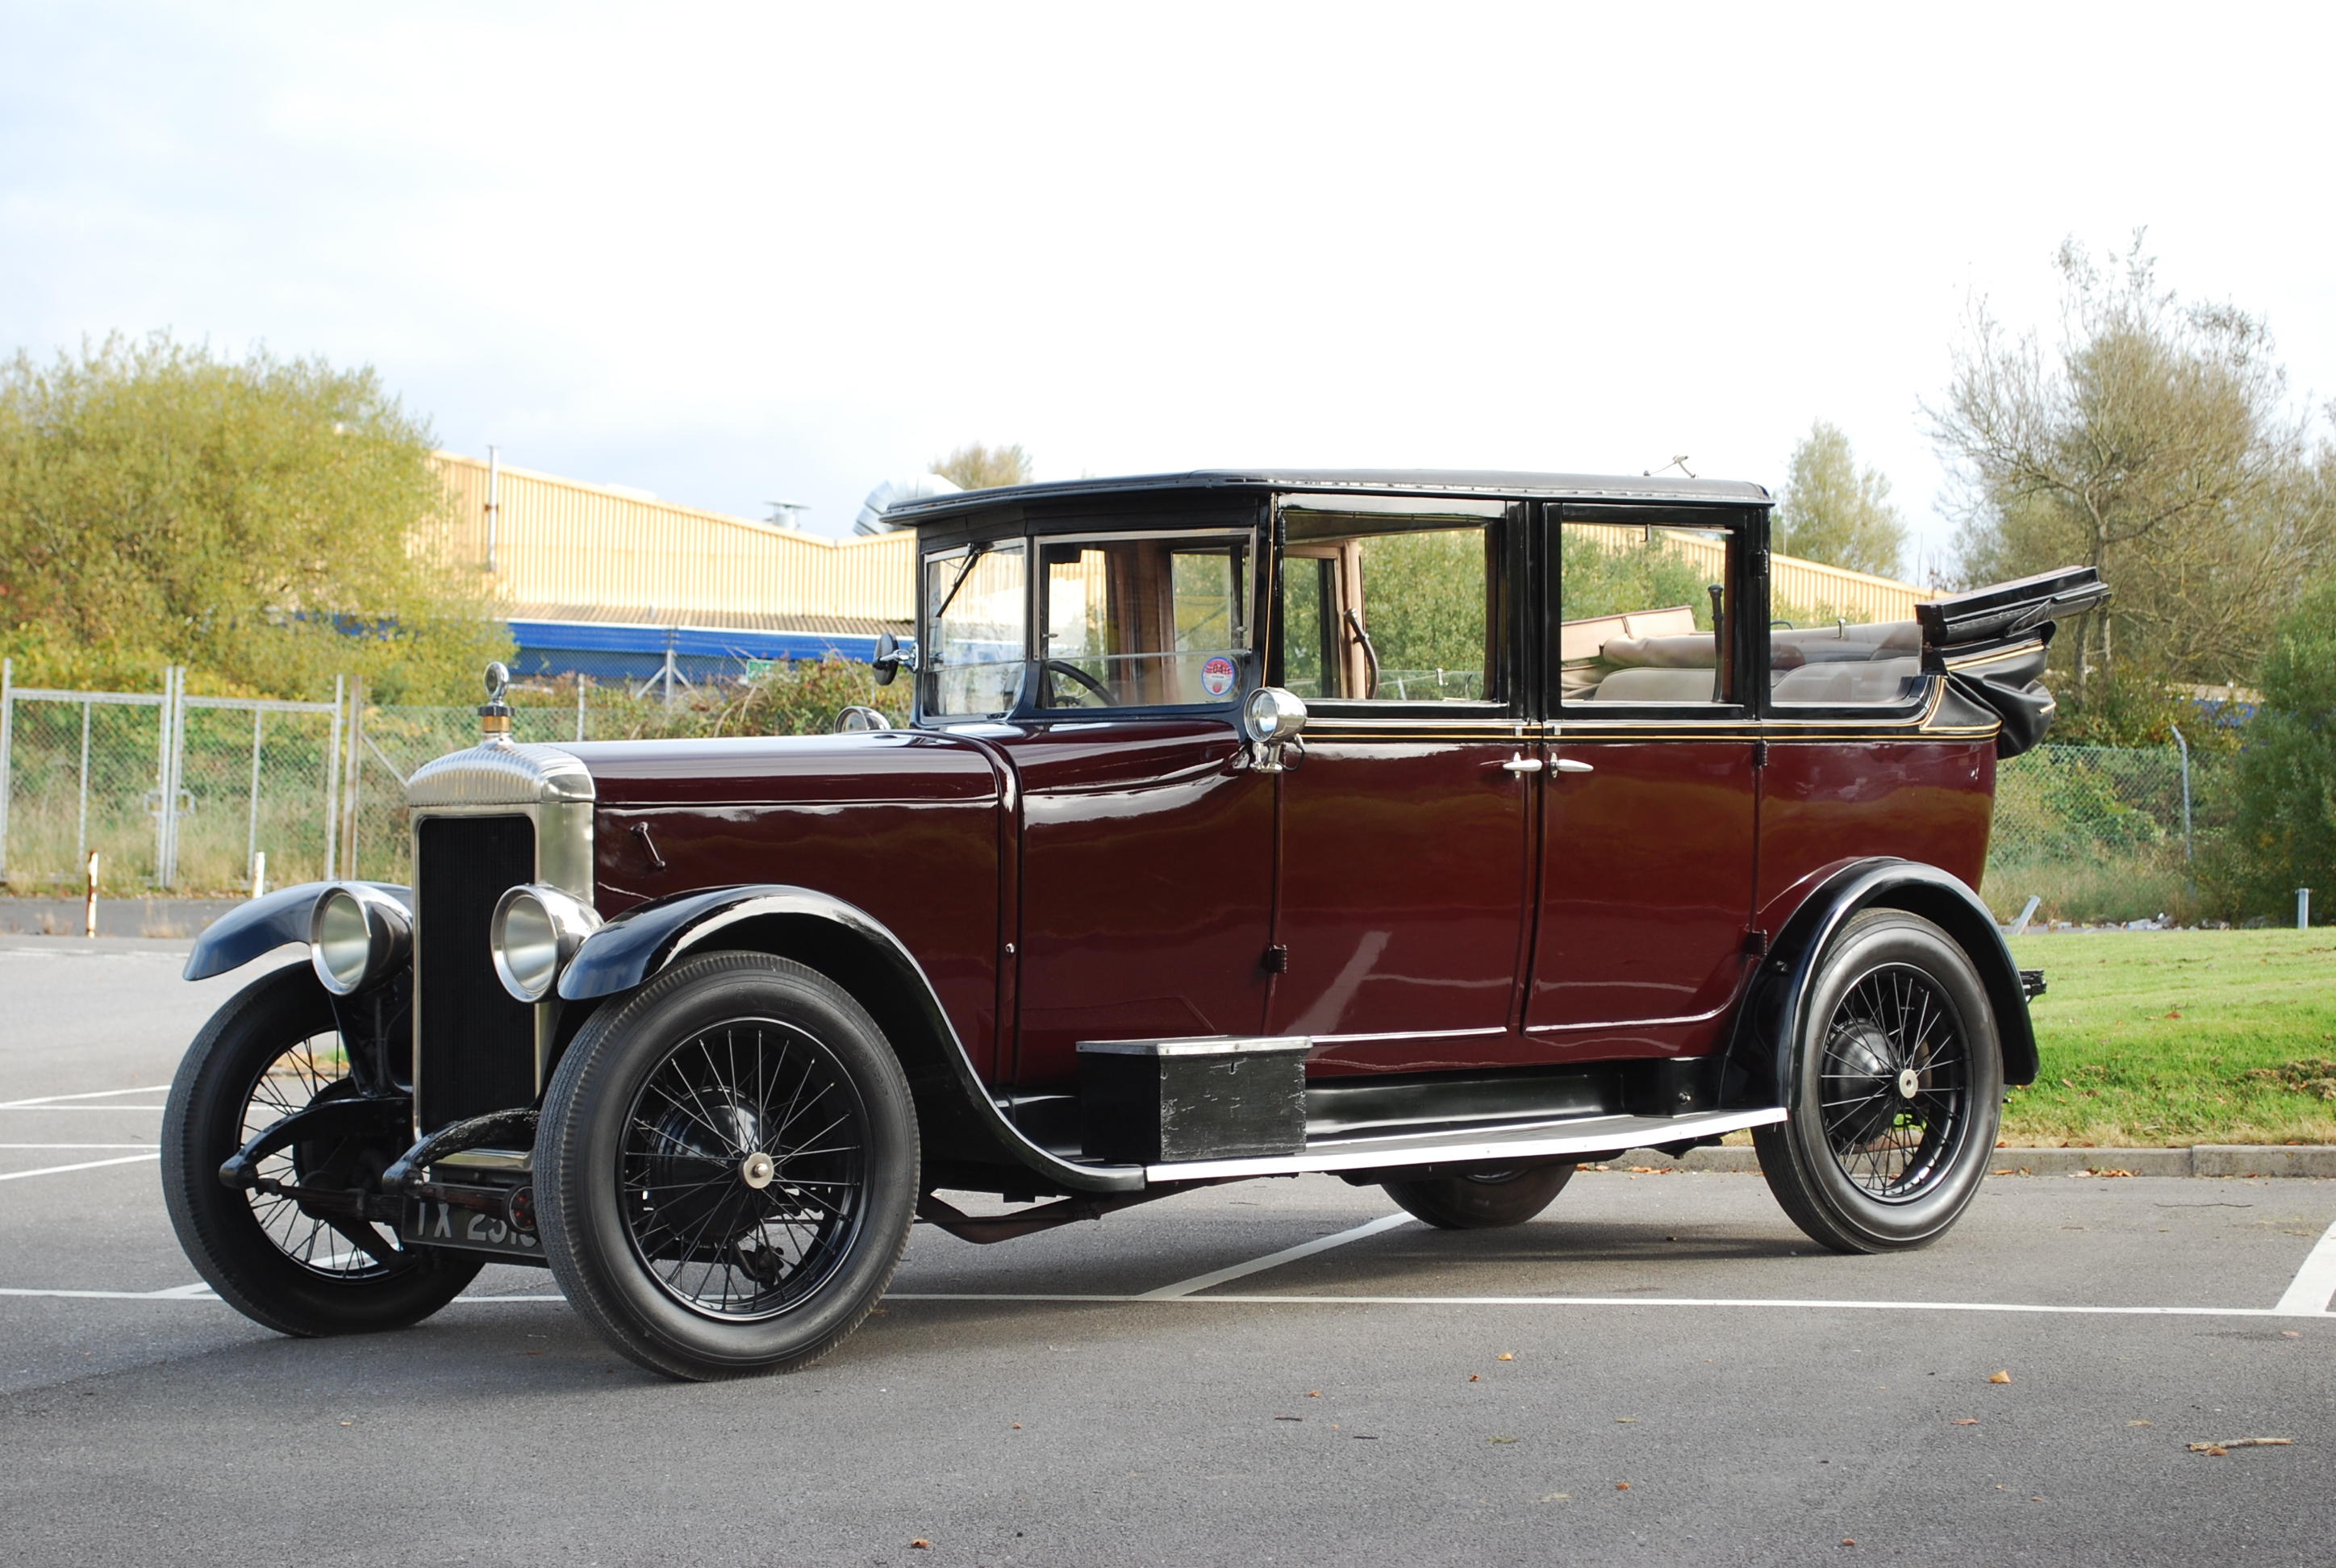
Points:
(1896, 1090)
(273, 1049)
(726, 1168)
(1481, 1200)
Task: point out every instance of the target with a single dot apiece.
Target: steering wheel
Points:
(1093, 687)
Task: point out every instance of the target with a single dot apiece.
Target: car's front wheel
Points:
(728, 1168)
(1481, 1200)
(1895, 1093)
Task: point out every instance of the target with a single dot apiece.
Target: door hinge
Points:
(1276, 960)
(1755, 943)
(1759, 754)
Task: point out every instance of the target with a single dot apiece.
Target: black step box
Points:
(1210, 1098)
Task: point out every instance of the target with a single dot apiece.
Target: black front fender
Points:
(1759, 1054)
(265, 924)
(958, 1118)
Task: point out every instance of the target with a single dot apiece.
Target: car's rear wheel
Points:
(1895, 1091)
(726, 1168)
(1481, 1200)
(292, 1265)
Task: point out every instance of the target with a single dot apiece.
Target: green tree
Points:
(974, 466)
(2283, 836)
(2154, 441)
(255, 520)
(1834, 511)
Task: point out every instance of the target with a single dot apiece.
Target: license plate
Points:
(436, 1224)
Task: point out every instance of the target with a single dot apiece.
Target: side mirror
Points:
(893, 655)
(1271, 718)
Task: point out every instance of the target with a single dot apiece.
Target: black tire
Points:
(271, 1050)
(1896, 1090)
(651, 1216)
(1481, 1199)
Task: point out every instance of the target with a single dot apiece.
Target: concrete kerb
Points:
(2223, 1159)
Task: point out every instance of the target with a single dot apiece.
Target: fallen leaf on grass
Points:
(1849, 1540)
(1313, 1393)
(1504, 1355)
(1017, 1426)
(2175, 1014)
(920, 1544)
(1474, 1378)
(1621, 1486)
(1999, 1376)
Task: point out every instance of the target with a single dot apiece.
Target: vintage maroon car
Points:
(1441, 830)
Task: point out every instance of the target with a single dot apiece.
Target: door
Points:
(1402, 859)
(1649, 811)
(1147, 863)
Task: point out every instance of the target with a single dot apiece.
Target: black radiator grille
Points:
(475, 1045)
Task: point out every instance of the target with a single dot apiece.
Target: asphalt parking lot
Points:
(1283, 1371)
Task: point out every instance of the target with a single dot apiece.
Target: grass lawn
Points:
(2153, 1038)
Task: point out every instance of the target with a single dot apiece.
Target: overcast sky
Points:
(735, 255)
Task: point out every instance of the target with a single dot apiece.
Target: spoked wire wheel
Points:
(343, 1247)
(727, 1167)
(1895, 1089)
(1894, 1084)
(743, 1169)
(273, 1049)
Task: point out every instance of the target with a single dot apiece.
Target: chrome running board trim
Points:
(1573, 1135)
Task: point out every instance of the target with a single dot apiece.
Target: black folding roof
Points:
(1377, 481)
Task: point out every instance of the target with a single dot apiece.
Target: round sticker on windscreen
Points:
(1217, 676)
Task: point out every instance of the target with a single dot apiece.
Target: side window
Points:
(1145, 622)
(976, 613)
(1637, 608)
(1837, 663)
(1390, 607)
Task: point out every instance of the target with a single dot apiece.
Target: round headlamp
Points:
(536, 931)
(356, 935)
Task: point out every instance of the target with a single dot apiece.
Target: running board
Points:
(1582, 1135)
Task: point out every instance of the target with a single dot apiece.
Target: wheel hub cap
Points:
(756, 1171)
(1909, 1082)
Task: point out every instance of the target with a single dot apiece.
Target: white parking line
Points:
(92, 1095)
(76, 1145)
(2308, 1293)
(84, 1166)
(45, 1109)
(1273, 1260)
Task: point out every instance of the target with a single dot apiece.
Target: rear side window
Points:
(1391, 606)
(1637, 608)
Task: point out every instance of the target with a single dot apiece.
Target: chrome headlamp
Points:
(536, 931)
(356, 935)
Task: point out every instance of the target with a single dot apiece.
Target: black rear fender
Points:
(1759, 1054)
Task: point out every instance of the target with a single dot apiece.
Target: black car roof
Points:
(1378, 481)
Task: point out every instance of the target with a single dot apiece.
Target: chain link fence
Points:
(168, 791)
(2104, 834)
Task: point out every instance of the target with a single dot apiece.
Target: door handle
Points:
(1520, 762)
(1567, 764)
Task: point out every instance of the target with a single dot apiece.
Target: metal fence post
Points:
(333, 783)
(251, 839)
(355, 774)
(8, 751)
(80, 819)
(162, 782)
(580, 707)
(2302, 909)
(2186, 790)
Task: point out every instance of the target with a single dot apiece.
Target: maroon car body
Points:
(1441, 830)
